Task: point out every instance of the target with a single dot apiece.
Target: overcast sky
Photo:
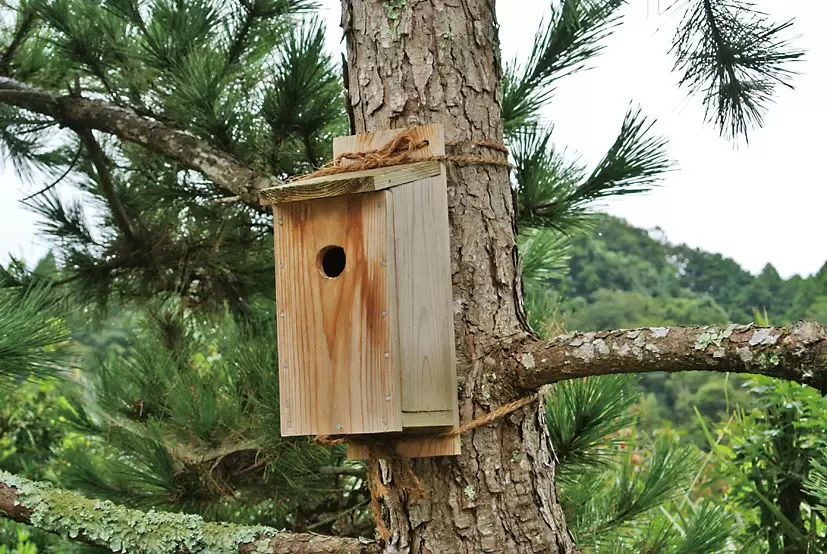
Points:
(757, 204)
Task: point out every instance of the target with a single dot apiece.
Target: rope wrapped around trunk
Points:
(399, 151)
(403, 479)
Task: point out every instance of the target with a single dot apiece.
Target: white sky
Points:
(757, 204)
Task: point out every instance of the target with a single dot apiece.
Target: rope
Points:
(400, 151)
(403, 479)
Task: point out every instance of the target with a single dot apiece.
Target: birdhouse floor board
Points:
(411, 448)
(350, 183)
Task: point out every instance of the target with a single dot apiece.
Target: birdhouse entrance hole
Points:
(332, 261)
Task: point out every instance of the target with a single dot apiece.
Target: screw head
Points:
(388, 398)
(378, 204)
(387, 354)
(281, 266)
(285, 366)
(384, 314)
(338, 427)
(282, 315)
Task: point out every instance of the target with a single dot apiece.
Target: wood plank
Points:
(412, 448)
(423, 306)
(336, 373)
(433, 133)
(349, 183)
(424, 299)
(428, 419)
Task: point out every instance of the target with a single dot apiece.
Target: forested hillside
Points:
(622, 276)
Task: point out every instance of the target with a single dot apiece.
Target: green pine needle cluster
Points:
(734, 56)
(32, 335)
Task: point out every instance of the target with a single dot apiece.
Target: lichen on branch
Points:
(119, 529)
(796, 353)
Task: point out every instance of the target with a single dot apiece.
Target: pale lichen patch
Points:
(659, 332)
(601, 347)
(763, 337)
(745, 354)
(123, 530)
(712, 337)
(584, 352)
(528, 361)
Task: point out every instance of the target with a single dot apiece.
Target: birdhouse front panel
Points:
(334, 293)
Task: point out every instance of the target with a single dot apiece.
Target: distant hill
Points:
(622, 276)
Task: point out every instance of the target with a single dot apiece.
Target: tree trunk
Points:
(437, 61)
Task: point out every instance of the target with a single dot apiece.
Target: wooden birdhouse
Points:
(365, 308)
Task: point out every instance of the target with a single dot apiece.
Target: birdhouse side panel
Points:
(424, 303)
(333, 292)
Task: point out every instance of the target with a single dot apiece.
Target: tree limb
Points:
(119, 529)
(186, 149)
(106, 183)
(797, 353)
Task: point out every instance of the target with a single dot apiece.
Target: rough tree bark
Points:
(427, 61)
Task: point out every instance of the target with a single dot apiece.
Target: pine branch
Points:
(32, 337)
(104, 524)
(556, 193)
(562, 46)
(797, 353)
(105, 182)
(192, 153)
(735, 57)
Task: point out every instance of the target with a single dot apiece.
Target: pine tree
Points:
(167, 116)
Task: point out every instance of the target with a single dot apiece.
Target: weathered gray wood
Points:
(349, 183)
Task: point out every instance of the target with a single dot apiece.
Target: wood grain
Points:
(427, 419)
(433, 133)
(336, 373)
(349, 183)
(424, 299)
(411, 448)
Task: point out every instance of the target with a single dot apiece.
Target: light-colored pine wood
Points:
(349, 183)
(433, 133)
(412, 448)
(336, 369)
